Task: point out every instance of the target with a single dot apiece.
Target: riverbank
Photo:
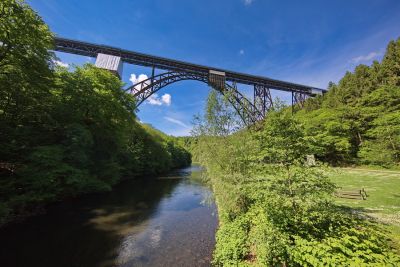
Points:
(87, 160)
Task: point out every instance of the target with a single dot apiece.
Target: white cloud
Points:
(241, 52)
(364, 58)
(138, 79)
(178, 122)
(155, 100)
(134, 80)
(166, 98)
(61, 64)
(248, 2)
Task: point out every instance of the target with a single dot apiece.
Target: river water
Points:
(149, 222)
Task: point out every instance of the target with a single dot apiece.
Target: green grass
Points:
(383, 189)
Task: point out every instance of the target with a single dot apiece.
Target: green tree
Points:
(25, 40)
(25, 77)
(94, 98)
(391, 64)
(383, 145)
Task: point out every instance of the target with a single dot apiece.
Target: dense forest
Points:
(358, 120)
(64, 133)
(276, 204)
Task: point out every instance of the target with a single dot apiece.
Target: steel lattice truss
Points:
(262, 100)
(144, 89)
(298, 99)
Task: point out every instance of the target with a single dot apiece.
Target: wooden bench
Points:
(356, 194)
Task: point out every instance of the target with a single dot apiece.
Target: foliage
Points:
(233, 236)
(356, 246)
(356, 121)
(65, 133)
(332, 133)
(25, 41)
(274, 208)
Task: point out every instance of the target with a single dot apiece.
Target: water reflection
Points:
(155, 222)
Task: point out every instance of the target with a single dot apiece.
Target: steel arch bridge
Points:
(224, 81)
(144, 89)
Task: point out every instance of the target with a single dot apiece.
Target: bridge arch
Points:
(144, 89)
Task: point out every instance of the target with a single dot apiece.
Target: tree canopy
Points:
(65, 132)
(358, 117)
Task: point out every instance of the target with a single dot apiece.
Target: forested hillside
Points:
(64, 133)
(277, 208)
(358, 120)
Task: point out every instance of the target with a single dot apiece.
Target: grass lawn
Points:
(383, 189)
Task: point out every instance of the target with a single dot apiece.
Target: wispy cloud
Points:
(364, 58)
(248, 2)
(241, 51)
(317, 69)
(178, 122)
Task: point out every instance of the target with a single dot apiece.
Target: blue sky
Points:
(310, 41)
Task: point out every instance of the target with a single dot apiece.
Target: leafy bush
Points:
(231, 239)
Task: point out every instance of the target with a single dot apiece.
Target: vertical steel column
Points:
(292, 102)
(152, 77)
(262, 99)
(298, 99)
(152, 73)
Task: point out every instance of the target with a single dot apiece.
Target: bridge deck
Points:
(91, 50)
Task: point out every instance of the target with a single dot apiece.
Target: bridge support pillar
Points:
(262, 100)
(111, 63)
(217, 79)
(298, 100)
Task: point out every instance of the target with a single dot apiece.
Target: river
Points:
(146, 222)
